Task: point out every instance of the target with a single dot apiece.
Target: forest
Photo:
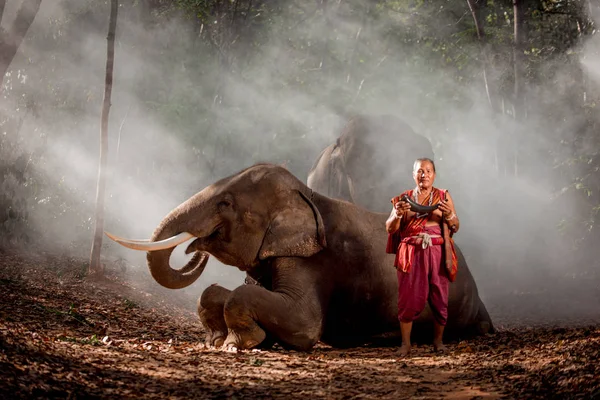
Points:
(115, 112)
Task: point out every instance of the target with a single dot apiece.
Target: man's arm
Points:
(398, 211)
(393, 222)
(449, 213)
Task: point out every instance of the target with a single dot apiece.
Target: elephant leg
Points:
(253, 312)
(210, 311)
(484, 324)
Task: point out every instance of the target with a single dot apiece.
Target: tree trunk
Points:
(518, 96)
(2, 5)
(518, 57)
(483, 50)
(10, 39)
(95, 268)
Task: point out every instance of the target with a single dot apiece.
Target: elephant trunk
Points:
(158, 261)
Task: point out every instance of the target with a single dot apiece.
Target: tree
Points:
(481, 37)
(518, 95)
(95, 268)
(10, 39)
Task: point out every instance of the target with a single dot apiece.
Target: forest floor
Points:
(63, 336)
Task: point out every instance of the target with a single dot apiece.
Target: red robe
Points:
(398, 242)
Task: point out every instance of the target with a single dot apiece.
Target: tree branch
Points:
(2, 4)
(12, 38)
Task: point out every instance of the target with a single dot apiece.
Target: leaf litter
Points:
(62, 336)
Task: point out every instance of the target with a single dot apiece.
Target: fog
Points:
(239, 109)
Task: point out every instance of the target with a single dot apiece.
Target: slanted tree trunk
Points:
(11, 38)
(95, 268)
(2, 4)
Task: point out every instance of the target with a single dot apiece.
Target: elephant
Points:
(369, 162)
(320, 265)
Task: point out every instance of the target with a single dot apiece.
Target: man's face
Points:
(424, 174)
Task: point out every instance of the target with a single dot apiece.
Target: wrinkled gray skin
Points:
(320, 263)
(370, 162)
(356, 168)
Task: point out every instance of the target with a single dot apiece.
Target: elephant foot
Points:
(216, 330)
(242, 340)
(214, 339)
(229, 348)
(210, 312)
(485, 327)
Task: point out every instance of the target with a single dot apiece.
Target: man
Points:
(425, 257)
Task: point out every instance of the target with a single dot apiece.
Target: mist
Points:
(255, 108)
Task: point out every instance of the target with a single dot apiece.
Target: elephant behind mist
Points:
(370, 162)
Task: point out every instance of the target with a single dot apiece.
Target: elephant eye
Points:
(215, 234)
(224, 204)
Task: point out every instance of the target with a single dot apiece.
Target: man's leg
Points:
(413, 288)
(405, 329)
(438, 297)
(438, 334)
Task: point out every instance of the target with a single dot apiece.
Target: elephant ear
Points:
(295, 231)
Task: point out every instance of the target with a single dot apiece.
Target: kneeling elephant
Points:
(320, 263)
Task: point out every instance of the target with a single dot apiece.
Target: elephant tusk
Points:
(115, 238)
(146, 245)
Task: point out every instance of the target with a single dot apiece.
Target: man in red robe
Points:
(425, 257)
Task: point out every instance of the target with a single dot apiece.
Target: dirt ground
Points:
(62, 336)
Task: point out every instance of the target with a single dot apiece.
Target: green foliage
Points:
(325, 66)
(92, 340)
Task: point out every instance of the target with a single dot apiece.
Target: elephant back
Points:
(370, 161)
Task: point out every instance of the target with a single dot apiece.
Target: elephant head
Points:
(370, 162)
(261, 212)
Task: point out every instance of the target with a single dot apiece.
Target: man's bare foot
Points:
(404, 350)
(439, 347)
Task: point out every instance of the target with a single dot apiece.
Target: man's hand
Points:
(447, 210)
(401, 207)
